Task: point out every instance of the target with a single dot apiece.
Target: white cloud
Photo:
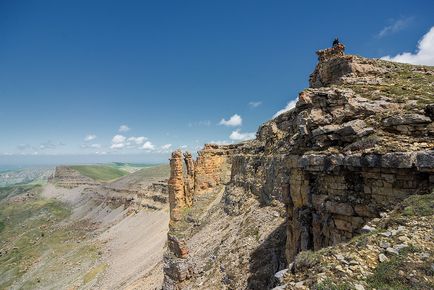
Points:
(118, 139)
(148, 146)
(288, 107)
(255, 104)
(124, 128)
(233, 121)
(117, 146)
(90, 137)
(118, 142)
(166, 146)
(395, 27)
(423, 55)
(94, 145)
(183, 146)
(137, 140)
(238, 136)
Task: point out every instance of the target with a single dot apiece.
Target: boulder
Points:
(406, 119)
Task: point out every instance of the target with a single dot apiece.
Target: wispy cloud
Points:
(199, 123)
(166, 146)
(93, 145)
(27, 149)
(23, 147)
(233, 121)
(288, 107)
(89, 137)
(50, 145)
(424, 53)
(395, 26)
(255, 104)
(124, 128)
(237, 135)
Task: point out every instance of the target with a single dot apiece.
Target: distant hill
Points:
(100, 172)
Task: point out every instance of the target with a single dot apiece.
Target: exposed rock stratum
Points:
(357, 144)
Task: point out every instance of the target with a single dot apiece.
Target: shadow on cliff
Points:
(267, 259)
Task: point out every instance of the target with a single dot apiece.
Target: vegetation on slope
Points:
(401, 82)
(154, 171)
(100, 172)
(37, 246)
(11, 190)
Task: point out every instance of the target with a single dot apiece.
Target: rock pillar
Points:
(176, 186)
(189, 180)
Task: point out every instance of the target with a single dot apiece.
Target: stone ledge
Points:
(422, 160)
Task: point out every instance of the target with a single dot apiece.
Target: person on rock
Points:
(336, 42)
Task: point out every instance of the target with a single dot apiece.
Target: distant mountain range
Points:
(11, 176)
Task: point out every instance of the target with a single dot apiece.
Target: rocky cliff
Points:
(359, 141)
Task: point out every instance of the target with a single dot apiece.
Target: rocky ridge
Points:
(133, 191)
(358, 142)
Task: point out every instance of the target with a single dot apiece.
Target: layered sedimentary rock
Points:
(212, 166)
(358, 142)
(136, 190)
(65, 176)
(189, 178)
(177, 195)
(210, 169)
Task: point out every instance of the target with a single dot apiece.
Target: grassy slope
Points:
(402, 82)
(100, 172)
(155, 171)
(36, 246)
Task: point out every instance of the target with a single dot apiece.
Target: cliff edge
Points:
(357, 144)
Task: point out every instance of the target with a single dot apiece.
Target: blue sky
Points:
(172, 72)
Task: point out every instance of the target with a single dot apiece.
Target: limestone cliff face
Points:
(212, 166)
(211, 169)
(177, 196)
(359, 141)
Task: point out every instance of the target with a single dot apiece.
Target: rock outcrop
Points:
(212, 166)
(177, 194)
(211, 169)
(135, 191)
(395, 251)
(358, 142)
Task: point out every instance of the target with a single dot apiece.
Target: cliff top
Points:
(356, 105)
